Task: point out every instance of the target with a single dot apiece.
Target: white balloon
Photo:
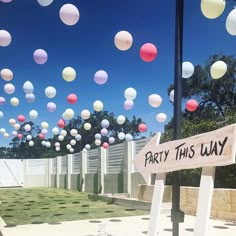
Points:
(44, 125)
(68, 146)
(2, 131)
(123, 40)
(60, 138)
(28, 137)
(161, 117)
(28, 87)
(5, 38)
(172, 95)
(69, 74)
(6, 74)
(231, 22)
(98, 142)
(97, 105)
(27, 127)
(45, 3)
(128, 137)
(130, 93)
(154, 100)
(14, 101)
(14, 133)
(12, 121)
(1, 114)
(48, 144)
(44, 131)
(58, 149)
(111, 140)
(212, 8)
(87, 126)
(73, 132)
(6, 135)
(71, 150)
(55, 131)
(16, 126)
(69, 14)
(33, 114)
(57, 144)
(218, 69)
(30, 97)
(78, 137)
(105, 123)
(87, 147)
(121, 135)
(85, 114)
(69, 114)
(98, 136)
(120, 119)
(72, 142)
(187, 69)
(44, 143)
(31, 143)
(50, 92)
(63, 133)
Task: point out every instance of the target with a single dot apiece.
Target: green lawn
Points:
(50, 205)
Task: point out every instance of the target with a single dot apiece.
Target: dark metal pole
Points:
(177, 215)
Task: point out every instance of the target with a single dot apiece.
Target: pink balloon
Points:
(20, 136)
(21, 118)
(128, 104)
(41, 136)
(105, 145)
(72, 98)
(40, 56)
(6, 1)
(104, 132)
(101, 77)
(191, 105)
(148, 52)
(61, 123)
(142, 128)
(51, 106)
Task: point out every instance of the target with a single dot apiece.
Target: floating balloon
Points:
(231, 22)
(161, 117)
(6, 74)
(87, 126)
(33, 114)
(69, 14)
(71, 150)
(55, 131)
(21, 118)
(105, 145)
(72, 98)
(68, 146)
(98, 136)
(40, 56)
(14, 133)
(85, 114)
(69, 114)
(44, 143)
(30, 97)
(72, 142)
(1, 114)
(6, 1)
(123, 40)
(51, 106)
(98, 142)
(154, 100)
(2, 100)
(87, 147)
(63, 133)
(5, 38)
(101, 77)
(187, 69)
(48, 144)
(98, 106)
(27, 127)
(2, 131)
(60, 138)
(9, 88)
(14, 101)
(57, 149)
(16, 126)
(61, 123)
(218, 69)
(148, 52)
(20, 136)
(172, 95)
(104, 132)
(111, 140)
(191, 105)
(128, 104)
(28, 87)
(45, 3)
(142, 127)
(44, 125)
(28, 137)
(105, 123)
(78, 137)
(129, 137)
(6, 135)
(31, 143)
(68, 74)
(12, 121)
(120, 119)
(121, 136)
(130, 93)
(41, 136)
(50, 92)
(44, 131)
(212, 8)
(57, 144)
(73, 132)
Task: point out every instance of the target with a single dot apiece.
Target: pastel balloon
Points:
(98, 142)
(191, 105)
(105, 123)
(105, 145)
(20, 136)
(63, 133)
(51, 106)
(69, 14)
(5, 38)
(44, 125)
(187, 69)
(68, 146)
(6, 1)
(129, 137)
(60, 138)
(123, 40)
(9, 88)
(57, 144)
(231, 22)
(98, 136)
(28, 137)
(120, 119)
(57, 149)
(78, 137)
(87, 126)
(68, 74)
(12, 121)
(73, 132)
(6, 74)
(28, 87)
(69, 114)
(33, 114)
(154, 100)
(98, 106)
(55, 131)
(6, 135)
(212, 8)
(48, 144)
(85, 114)
(130, 93)
(71, 150)
(21, 118)
(72, 142)
(2, 100)
(14, 133)
(31, 143)
(128, 104)
(45, 3)
(44, 143)
(142, 127)
(41, 136)
(44, 131)
(87, 147)
(16, 126)
(27, 127)
(218, 69)
(161, 117)
(111, 140)
(72, 98)
(1, 114)
(101, 77)
(148, 52)
(121, 136)
(61, 123)
(104, 132)
(50, 92)
(30, 97)
(40, 56)
(2, 131)
(172, 95)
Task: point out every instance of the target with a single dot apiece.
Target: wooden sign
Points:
(216, 148)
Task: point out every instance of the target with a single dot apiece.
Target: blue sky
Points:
(89, 46)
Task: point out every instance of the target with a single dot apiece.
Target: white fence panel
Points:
(64, 164)
(54, 166)
(115, 157)
(35, 166)
(76, 163)
(92, 161)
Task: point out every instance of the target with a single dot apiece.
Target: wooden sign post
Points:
(207, 150)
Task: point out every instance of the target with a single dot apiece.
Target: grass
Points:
(50, 205)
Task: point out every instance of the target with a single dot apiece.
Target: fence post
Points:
(49, 172)
(83, 169)
(69, 170)
(101, 169)
(58, 171)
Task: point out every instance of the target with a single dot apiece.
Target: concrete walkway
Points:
(120, 226)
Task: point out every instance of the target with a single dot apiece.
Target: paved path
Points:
(120, 226)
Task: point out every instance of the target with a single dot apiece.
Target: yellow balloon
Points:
(68, 74)
(212, 8)
(87, 126)
(97, 105)
(218, 69)
(6, 74)
(14, 101)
